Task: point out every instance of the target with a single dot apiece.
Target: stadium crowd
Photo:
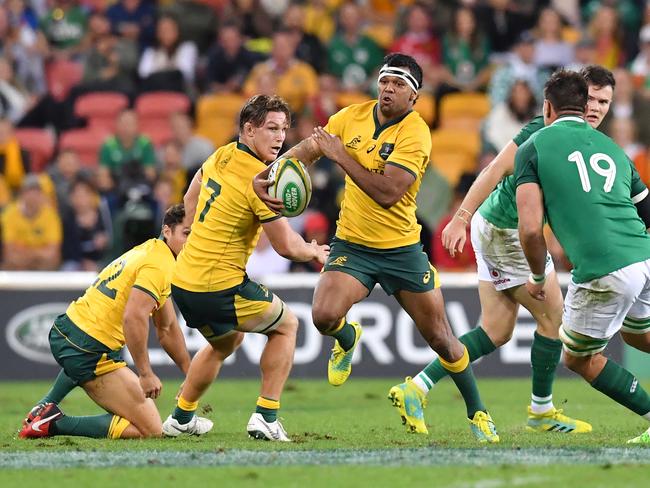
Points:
(108, 107)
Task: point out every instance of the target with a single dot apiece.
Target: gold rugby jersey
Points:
(227, 222)
(100, 311)
(404, 142)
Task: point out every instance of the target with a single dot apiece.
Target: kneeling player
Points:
(88, 339)
(210, 285)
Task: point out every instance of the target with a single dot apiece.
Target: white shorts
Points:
(596, 310)
(499, 257)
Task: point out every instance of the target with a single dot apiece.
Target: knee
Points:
(574, 363)
(289, 326)
(152, 431)
(500, 337)
(325, 319)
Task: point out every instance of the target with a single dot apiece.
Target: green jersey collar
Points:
(243, 147)
(568, 118)
(380, 128)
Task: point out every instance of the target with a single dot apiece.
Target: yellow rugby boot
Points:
(555, 421)
(410, 402)
(483, 428)
(339, 365)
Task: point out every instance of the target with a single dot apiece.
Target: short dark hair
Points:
(567, 91)
(258, 106)
(399, 60)
(174, 216)
(596, 75)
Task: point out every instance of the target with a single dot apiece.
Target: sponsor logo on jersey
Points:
(371, 148)
(340, 261)
(635, 383)
(495, 273)
(427, 277)
(354, 143)
(385, 150)
(27, 332)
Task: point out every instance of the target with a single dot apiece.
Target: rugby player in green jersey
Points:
(589, 191)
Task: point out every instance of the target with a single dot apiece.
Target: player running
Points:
(587, 188)
(87, 342)
(383, 146)
(502, 270)
(211, 287)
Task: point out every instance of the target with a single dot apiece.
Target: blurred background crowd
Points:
(107, 108)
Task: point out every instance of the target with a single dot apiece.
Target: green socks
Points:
(544, 358)
(478, 344)
(462, 375)
(268, 408)
(346, 336)
(621, 386)
(63, 385)
(96, 426)
(184, 410)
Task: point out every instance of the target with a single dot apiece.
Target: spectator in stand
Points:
(585, 54)
(172, 170)
(229, 62)
(465, 51)
(294, 80)
(255, 21)
(65, 170)
(420, 41)
(14, 160)
(171, 62)
(607, 33)
(86, 228)
(31, 230)
(319, 19)
(134, 20)
(641, 65)
(506, 119)
(127, 153)
(14, 100)
(62, 30)
(520, 65)
(503, 24)
(194, 149)
(308, 47)
(624, 134)
(465, 261)
(316, 228)
(551, 51)
(324, 104)
(163, 195)
(352, 56)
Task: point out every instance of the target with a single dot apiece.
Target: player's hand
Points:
(322, 252)
(261, 185)
(536, 290)
(331, 146)
(454, 236)
(151, 385)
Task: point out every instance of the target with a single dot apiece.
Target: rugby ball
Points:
(291, 184)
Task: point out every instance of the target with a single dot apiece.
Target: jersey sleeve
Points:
(638, 190)
(528, 130)
(259, 208)
(154, 278)
(526, 164)
(412, 152)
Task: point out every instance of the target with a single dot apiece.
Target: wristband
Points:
(537, 279)
(462, 219)
(461, 209)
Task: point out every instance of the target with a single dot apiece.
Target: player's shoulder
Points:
(414, 123)
(357, 110)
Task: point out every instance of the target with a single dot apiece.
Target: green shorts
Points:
(81, 356)
(243, 307)
(401, 268)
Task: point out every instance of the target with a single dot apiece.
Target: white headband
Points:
(399, 73)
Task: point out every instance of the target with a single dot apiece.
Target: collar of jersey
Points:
(243, 147)
(380, 128)
(568, 118)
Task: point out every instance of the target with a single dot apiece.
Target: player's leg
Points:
(637, 341)
(62, 385)
(545, 355)
(589, 321)
(427, 309)
(498, 318)
(334, 295)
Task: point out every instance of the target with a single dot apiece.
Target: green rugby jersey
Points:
(500, 207)
(587, 181)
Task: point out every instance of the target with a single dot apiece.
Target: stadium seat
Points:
(158, 130)
(463, 110)
(454, 152)
(345, 98)
(160, 104)
(100, 108)
(217, 116)
(426, 107)
(39, 143)
(61, 76)
(86, 143)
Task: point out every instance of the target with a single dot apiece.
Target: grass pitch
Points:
(344, 436)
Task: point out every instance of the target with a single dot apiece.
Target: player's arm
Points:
(136, 331)
(306, 151)
(454, 234)
(191, 197)
(385, 189)
(289, 244)
(170, 336)
(639, 195)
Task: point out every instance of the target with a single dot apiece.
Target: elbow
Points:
(528, 232)
(387, 200)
